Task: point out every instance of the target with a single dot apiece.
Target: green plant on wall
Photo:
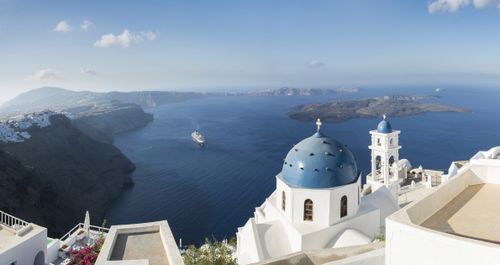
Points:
(208, 254)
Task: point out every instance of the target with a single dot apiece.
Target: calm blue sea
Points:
(209, 192)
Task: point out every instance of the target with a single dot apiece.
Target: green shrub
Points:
(379, 237)
(209, 253)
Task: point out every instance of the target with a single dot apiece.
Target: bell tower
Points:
(384, 157)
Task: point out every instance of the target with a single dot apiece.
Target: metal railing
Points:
(11, 222)
(80, 226)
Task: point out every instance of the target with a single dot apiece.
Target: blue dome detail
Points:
(319, 162)
(384, 126)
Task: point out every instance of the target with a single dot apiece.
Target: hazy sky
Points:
(135, 45)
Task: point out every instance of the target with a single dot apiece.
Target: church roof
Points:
(319, 161)
(384, 126)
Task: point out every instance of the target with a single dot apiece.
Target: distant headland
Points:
(395, 106)
(295, 91)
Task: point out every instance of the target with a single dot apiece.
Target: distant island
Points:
(394, 106)
(293, 91)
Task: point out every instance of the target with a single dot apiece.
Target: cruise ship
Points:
(198, 138)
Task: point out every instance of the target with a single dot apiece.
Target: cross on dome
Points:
(318, 124)
(384, 116)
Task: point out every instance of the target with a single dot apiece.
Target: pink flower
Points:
(85, 256)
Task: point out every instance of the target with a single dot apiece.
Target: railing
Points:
(11, 222)
(80, 226)
(407, 188)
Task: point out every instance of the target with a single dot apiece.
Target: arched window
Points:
(283, 201)
(378, 142)
(308, 210)
(391, 161)
(390, 142)
(343, 206)
(378, 163)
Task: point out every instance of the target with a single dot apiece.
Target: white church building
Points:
(317, 203)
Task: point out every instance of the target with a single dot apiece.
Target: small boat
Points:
(198, 138)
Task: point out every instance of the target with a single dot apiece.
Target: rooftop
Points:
(372, 253)
(7, 238)
(319, 162)
(455, 223)
(140, 244)
(470, 214)
(14, 231)
(464, 208)
(384, 126)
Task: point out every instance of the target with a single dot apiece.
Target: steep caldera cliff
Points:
(102, 121)
(57, 173)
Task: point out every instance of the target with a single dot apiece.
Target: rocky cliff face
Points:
(102, 122)
(57, 174)
(17, 188)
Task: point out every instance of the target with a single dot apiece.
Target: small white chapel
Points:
(318, 201)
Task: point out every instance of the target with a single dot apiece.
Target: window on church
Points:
(283, 201)
(308, 210)
(378, 142)
(378, 163)
(390, 142)
(343, 206)
(391, 161)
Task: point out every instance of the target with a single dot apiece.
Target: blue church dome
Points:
(384, 126)
(319, 162)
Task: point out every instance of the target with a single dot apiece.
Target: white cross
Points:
(384, 116)
(318, 123)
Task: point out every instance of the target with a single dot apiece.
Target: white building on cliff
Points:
(24, 243)
(457, 223)
(317, 204)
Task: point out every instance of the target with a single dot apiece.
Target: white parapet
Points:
(140, 244)
(21, 242)
(428, 232)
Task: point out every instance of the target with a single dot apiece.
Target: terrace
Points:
(12, 230)
(465, 207)
(79, 237)
(456, 223)
(140, 244)
(470, 214)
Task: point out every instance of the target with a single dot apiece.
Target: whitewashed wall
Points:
(25, 252)
(411, 245)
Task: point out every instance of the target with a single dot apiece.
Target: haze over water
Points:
(205, 192)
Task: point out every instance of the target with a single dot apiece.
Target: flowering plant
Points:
(86, 255)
